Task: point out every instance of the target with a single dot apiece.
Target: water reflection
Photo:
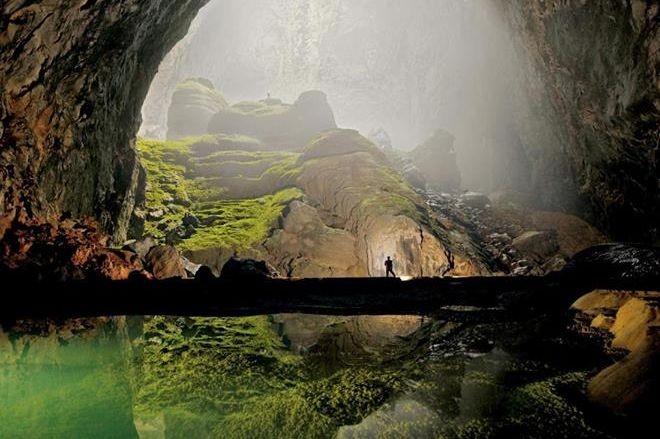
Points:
(286, 376)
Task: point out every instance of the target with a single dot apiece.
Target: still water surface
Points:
(290, 376)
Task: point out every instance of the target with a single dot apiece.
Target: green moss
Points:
(231, 208)
(350, 395)
(237, 224)
(282, 414)
(165, 163)
(235, 378)
(211, 144)
(544, 406)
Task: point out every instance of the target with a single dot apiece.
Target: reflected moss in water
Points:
(241, 378)
(236, 376)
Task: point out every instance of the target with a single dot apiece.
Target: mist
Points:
(409, 68)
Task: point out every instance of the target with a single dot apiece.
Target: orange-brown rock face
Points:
(632, 321)
(65, 249)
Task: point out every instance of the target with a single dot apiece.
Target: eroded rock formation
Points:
(194, 102)
(277, 124)
(436, 160)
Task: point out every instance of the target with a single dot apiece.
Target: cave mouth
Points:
(250, 95)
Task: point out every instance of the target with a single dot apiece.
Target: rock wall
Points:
(73, 79)
(590, 86)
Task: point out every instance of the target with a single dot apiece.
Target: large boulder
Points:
(475, 200)
(616, 262)
(306, 247)
(630, 386)
(436, 160)
(276, 124)
(340, 142)
(637, 324)
(353, 180)
(237, 268)
(194, 102)
(631, 320)
(537, 245)
(165, 262)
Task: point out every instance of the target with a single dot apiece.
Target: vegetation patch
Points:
(234, 210)
(237, 224)
(201, 88)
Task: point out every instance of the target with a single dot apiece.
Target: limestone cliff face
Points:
(592, 88)
(73, 78)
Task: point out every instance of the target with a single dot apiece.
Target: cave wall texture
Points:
(74, 75)
(592, 91)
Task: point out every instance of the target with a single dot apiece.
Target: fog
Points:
(409, 67)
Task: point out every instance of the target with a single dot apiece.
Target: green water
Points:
(291, 376)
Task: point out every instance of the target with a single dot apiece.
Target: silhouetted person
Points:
(389, 267)
(450, 263)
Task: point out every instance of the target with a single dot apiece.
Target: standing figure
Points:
(389, 267)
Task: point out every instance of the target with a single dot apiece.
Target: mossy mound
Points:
(340, 142)
(208, 145)
(237, 224)
(194, 102)
(235, 209)
(278, 125)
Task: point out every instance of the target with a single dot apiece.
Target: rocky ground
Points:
(518, 240)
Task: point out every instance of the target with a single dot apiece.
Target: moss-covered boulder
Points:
(279, 125)
(194, 102)
(340, 142)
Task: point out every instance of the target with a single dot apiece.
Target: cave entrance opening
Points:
(244, 102)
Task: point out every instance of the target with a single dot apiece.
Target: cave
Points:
(198, 197)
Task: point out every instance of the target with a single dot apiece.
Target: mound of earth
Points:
(280, 125)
